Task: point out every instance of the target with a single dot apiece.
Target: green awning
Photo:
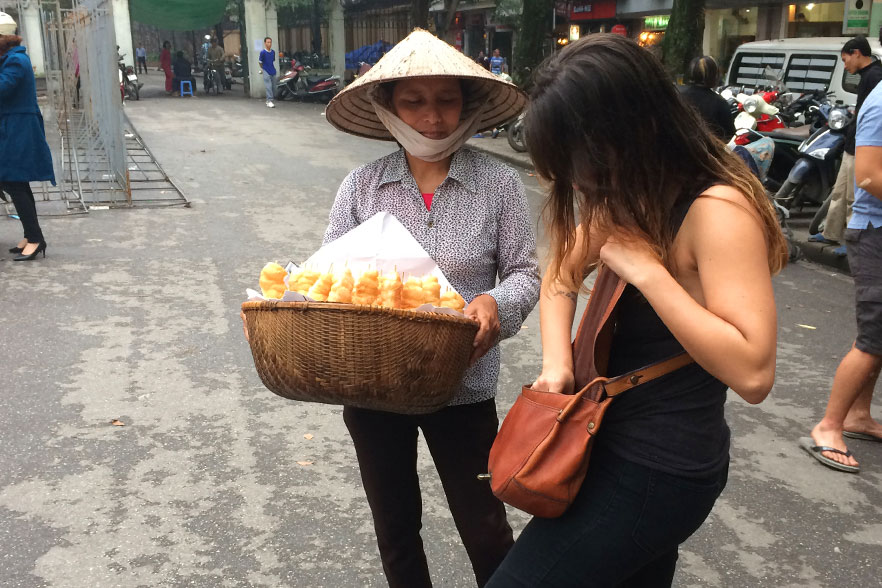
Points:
(178, 15)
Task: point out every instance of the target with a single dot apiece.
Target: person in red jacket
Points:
(166, 65)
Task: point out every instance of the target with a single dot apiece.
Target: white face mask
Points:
(421, 146)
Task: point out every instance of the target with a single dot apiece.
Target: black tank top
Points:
(675, 423)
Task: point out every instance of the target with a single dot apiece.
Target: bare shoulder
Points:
(720, 207)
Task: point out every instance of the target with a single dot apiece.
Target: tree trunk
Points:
(533, 33)
(683, 38)
(419, 13)
(450, 8)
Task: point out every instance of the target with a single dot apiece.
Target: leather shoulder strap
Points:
(594, 337)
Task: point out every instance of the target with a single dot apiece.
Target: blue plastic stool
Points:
(189, 92)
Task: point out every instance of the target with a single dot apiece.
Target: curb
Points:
(823, 254)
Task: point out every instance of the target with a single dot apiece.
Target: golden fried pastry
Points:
(275, 292)
(451, 299)
(412, 293)
(322, 287)
(272, 277)
(431, 291)
(390, 290)
(341, 290)
(367, 288)
(301, 281)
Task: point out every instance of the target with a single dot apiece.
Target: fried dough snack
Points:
(390, 291)
(412, 293)
(322, 288)
(272, 280)
(341, 291)
(431, 291)
(302, 280)
(451, 299)
(367, 288)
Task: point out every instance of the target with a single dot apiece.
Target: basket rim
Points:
(340, 307)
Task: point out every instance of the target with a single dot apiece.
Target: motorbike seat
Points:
(791, 133)
(312, 80)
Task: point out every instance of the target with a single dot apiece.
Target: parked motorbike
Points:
(211, 80)
(130, 85)
(812, 176)
(515, 133)
(297, 83)
(235, 68)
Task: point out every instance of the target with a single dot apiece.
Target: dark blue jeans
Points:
(622, 530)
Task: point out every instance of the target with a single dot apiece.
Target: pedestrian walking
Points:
(141, 59)
(483, 60)
(165, 64)
(469, 212)
(857, 58)
(498, 64)
(24, 153)
(663, 204)
(703, 75)
(268, 70)
(848, 409)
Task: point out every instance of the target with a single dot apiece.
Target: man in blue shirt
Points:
(497, 63)
(848, 409)
(141, 58)
(268, 69)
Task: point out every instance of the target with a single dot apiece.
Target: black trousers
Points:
(459, 439)
(142, 64)
(23, 198)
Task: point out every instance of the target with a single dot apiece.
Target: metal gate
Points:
(98, 156)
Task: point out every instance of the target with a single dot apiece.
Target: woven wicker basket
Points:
(368, 357)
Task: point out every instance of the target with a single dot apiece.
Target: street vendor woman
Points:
(469, 212)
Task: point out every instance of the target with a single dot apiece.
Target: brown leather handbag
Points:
(540, 456)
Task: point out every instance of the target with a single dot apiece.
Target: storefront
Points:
(815, 19)
(590, 17)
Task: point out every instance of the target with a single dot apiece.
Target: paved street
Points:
(133, 315)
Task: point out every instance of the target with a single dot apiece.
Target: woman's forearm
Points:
(745, 363)
(557, 308)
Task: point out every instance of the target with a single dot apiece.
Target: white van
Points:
(809, 64)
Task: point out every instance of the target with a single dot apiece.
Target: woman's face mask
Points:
(425, 117)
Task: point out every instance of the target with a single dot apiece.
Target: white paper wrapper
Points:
(380, 243)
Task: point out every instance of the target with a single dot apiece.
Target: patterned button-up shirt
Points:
(478, 228)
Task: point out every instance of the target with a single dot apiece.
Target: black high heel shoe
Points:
(15, 249)
(40, 247)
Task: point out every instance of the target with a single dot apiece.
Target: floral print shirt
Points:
(478, 230)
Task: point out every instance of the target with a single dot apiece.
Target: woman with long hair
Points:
(637, 183)
(24, 153)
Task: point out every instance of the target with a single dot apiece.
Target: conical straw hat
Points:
(421, 54)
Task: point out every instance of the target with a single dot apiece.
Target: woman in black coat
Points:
(24, 153)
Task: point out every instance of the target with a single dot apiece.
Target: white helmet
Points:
(7, 24)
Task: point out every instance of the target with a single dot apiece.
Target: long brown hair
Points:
(7, 42)
(606, 117)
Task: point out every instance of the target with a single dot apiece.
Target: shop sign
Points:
(593, 10)
(857, 17)
(619, 29)
(656, 22)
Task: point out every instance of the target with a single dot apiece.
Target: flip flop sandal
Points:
(808, 444)
(861, 436)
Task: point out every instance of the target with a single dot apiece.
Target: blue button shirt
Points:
(867, 210)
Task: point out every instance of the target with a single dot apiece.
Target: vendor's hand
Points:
(631, 257)
(485, 311)
(558, 380)
(244, 325)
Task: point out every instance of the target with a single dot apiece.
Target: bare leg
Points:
(859, 419)
(856, 372)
